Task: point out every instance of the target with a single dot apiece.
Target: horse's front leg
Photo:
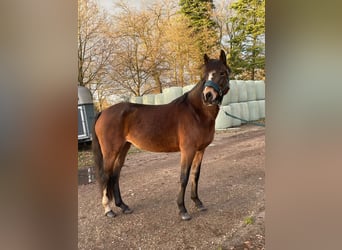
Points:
(186, 161)
(195, 174)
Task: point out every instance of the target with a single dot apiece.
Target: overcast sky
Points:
(108, 4)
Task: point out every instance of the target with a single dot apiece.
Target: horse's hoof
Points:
(110, 214)
(127, 210)
(185, 216)
(201, 208)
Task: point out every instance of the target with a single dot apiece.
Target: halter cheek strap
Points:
(225, 89)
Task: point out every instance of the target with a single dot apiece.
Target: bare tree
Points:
(139, 52)
(136, 51)
(94, 46)
(154, 48)
(184, 55)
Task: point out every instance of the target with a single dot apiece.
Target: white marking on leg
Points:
(105, 201)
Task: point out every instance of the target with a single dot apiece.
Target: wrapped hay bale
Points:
(244, 111)
(148, 99)
(159, 99)
(260, 90)
(242, 86)
(172, 93)
(234, 92)
(136, 99)
(187, 88)
(251, 91)
(261, 104)
(222, 120)
(236, 111)
(253, 108)
(226, 99)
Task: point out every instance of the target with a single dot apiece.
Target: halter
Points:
(216, 86)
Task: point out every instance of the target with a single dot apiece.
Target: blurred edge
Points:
(304, 121)
(38, 124)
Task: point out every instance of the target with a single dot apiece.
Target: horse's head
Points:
(216, 79)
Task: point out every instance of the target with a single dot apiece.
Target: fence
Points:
(245, 99)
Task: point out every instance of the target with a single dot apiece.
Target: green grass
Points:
(249, 220)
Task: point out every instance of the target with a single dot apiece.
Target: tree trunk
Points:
(181, 76)
(156, 77)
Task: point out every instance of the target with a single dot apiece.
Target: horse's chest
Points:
(205, 139)
(200, 137)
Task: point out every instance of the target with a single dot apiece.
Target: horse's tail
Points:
(104, 180)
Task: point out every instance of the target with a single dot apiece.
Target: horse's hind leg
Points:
(116, 175)
(105, 203)
(113, 162)
(195, 174)
(107, 184)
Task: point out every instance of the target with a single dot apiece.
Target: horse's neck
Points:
(195, 98)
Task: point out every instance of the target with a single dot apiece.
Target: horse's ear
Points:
(206, 58)
(223, 57)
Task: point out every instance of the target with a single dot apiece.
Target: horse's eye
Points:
(222, 73)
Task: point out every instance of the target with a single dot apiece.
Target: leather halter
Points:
(216, 87)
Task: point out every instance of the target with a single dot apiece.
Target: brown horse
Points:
(187, 124)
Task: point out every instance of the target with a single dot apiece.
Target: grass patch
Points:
(249, 220)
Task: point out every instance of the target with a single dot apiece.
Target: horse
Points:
(187, 124)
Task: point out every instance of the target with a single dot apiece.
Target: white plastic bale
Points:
(222, 120)
(253, 108)
(244, 111)
(236, 111)
(260, 90)
(148, 99)
(261, 104)
(136, 99)
(187, 88)
(251, 91)
(159, 99)
(172, 93)
(139, 99)
(234, 92)
(226, 99)
(242, 86)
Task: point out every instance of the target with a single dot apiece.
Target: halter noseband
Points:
(216, 87)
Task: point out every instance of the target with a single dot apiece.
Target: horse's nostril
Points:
(208, 96)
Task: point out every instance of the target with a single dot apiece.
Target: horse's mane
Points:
(181, 99)
(185, 96)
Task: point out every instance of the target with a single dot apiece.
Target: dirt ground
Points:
(231, 186)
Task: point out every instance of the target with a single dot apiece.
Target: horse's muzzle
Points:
(210, 96)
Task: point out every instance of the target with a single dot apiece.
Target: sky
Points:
(108, 4)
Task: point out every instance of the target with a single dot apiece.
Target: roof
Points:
(84, 95)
